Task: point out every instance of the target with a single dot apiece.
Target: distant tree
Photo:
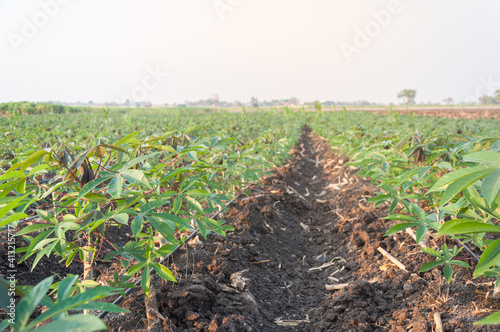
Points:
(497, 96)
(293, 101)
(448, 101)
(408, 96)
(254, 102)
(487, 100)
(214, 99)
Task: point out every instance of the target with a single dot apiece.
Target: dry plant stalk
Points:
(152, 314)
(336, 287)
(437, 320)
(392, 258)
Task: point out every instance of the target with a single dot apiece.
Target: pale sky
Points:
(171, 51)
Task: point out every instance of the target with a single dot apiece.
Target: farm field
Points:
(456, 112)
(327, 198)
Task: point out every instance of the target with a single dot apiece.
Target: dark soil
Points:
(308, 213)
(48, 266)
(456, 113)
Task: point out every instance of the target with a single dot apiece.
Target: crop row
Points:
(439, 176)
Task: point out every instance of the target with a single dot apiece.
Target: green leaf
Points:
(35, 241)
(430, 251)
(177, 204)
(29, 303)
(202, 228)
(194, 204)
(65, 286)
(37, 169)
(400, 227)
(13, 175)
(490, 257)
(447, 225)
(21, 187)
(114, 147)
(490, 320)
(136, 268)
(136, 177)
(420, 233)
(122, 218)
(163, 227)
(448, 272)
(149, 248)
(126, 139)
(460, 263)
(12, 205)
(115, 186)
(462, 182)
(406, 175)
(138, 160)
(136, 225)
(74, 301)
(44, 251)
(198, 193)
(32, 159)
(175, 219)
(429, 266)
(51, 189)
(491, 186)
(165, 250)
(151, 205)
(468, 227)
(163, 272)
(91, 185)
(192, 155)
(146, 280)
(89, 283)
(8, 187)
(484, 157)
(4, 324)
(43, 243)
(446, 179)
(32, 228)
(11, 218)
(400, 217)
(74, 323)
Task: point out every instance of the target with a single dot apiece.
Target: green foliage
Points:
(27, 108)
(443, 257)
(56, 318)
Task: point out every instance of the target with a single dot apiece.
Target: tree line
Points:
(25, 108)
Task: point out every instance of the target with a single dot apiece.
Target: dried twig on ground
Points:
(336, 287)
(437, 320)
(392, 259)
